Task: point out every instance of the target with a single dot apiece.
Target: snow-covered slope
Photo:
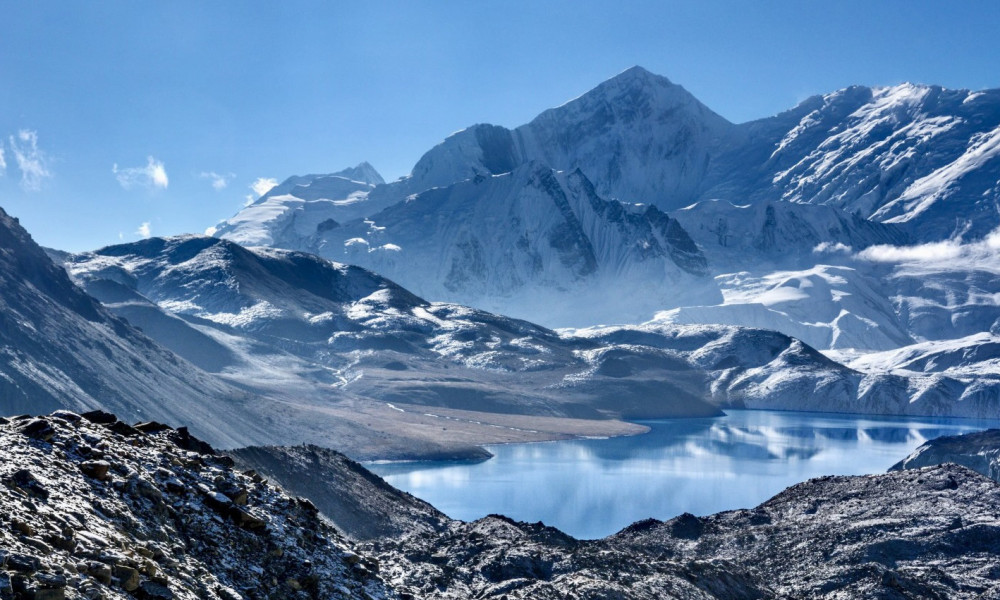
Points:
(973, 357)
(530, 244)
(790, 267)
(345, 342)
(637, 136)
(754, 368)
(827, 307)
(915, 154)
(301, 205)
(779, 234)
(841, 172)
(790, 213)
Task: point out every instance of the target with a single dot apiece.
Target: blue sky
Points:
(118, 114)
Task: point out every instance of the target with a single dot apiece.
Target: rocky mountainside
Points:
(96, 508)
(638, 136)
(925, 533)
(529, 244)
(848, 192)
(60, 348)
(977, 451)
(920, 155)
(364, 506)
(354, 357)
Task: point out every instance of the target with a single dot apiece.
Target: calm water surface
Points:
(592, 488)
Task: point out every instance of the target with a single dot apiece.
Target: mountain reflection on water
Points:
(592, 488)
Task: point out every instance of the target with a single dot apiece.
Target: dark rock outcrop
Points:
(358, 502)
(87, 511)
(978, 451)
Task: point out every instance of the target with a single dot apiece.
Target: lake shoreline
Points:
(591, 488)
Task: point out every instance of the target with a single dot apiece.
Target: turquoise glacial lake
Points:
(594, 487)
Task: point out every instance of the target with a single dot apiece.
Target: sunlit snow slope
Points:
(815, 222)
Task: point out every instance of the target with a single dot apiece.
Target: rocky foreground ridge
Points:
(91, 507)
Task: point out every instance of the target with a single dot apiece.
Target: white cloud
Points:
(931, 252)
(832, 248)
(144, 230)
(153, 175)
(986, 250)
(3, 162)
(211, 230)
(263, 185)
(32, 162)
(260, 186)
(219, 182)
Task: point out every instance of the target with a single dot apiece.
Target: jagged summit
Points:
(801, 193)
(363, 172)
(637, 136)
(634, 87)
(634, 78)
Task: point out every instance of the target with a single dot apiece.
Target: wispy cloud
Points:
(832, 248)
(152, 176)
(260, 186)
(3, 163)
(32, 162)
(948, 251)
(144, 230)
(219, 182)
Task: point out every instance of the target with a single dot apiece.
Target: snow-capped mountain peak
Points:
(637, 136)
(302, 203)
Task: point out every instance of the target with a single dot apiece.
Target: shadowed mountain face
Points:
(977, 451)
(361, 504)
(60, 348)
(530, 244)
